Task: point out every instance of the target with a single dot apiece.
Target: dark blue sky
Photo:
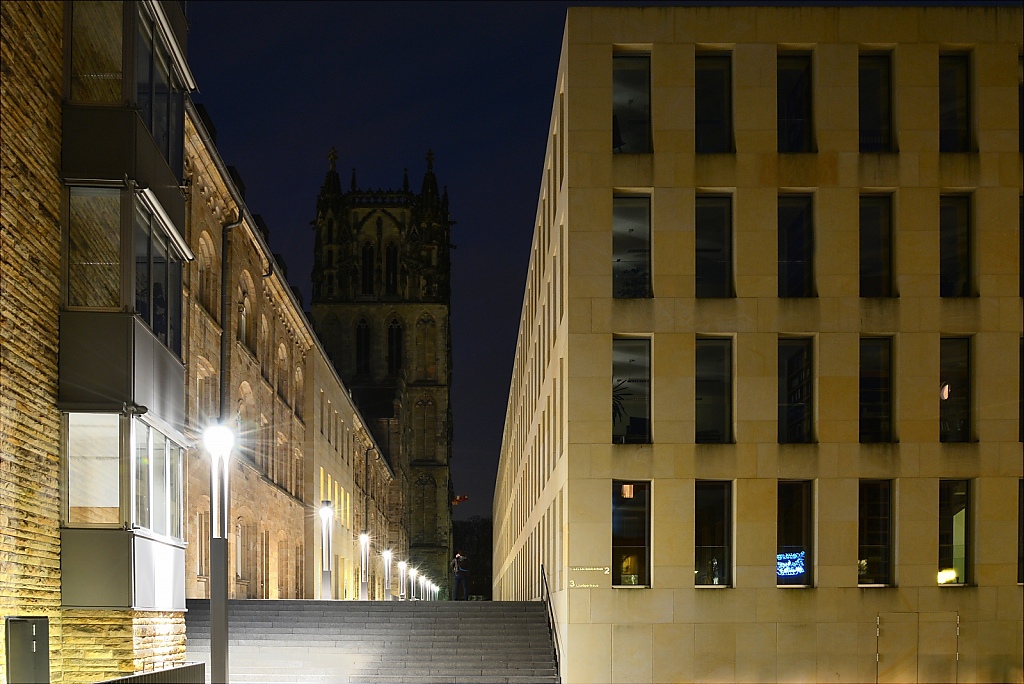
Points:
(383, 82)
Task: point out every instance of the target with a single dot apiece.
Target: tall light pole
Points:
(364, 538)
(401, 580)
(412, 584)
(423, 588)
(386, 555)
(219, 441)
(326, 540)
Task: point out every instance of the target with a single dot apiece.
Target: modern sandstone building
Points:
(139, 302)
(765, 417)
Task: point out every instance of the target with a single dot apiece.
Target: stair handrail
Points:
(552, 624)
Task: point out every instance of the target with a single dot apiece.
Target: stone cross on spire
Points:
(332, 156)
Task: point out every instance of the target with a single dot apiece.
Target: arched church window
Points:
(362, 348)
(394, 348)
(391, 269)
(367, 269)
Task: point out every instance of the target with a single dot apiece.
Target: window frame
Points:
(947, 391)
(806, 383)
(794, 138)
(799, 520)
(725, 288)
(956, 251)
(885, 528)
(644, 577)
(715, 62)
(714, 572)
(641, 431)
(799, 224)
(945, 506)
(882, 63)
(881, 285)
(635, 282)
(644, 146)
(885, 435)
(727, 392)
(956, 136)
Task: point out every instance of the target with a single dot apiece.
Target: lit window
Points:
(631, 104)
(794, 561)
(631, 533)
(954, 531)
(712, 501)
(94, 466)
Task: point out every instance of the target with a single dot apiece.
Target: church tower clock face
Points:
(381, 307)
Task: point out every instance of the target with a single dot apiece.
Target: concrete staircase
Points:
(378, 642)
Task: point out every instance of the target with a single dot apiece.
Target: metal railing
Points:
(552, 624)
(185, 673)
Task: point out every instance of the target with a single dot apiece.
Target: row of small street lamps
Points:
(219, 440)
(428, 590)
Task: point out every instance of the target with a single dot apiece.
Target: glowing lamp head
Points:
(947, 576)
(326, 512)
(364, 539)
(401, 565)
(412, 573)
(218, 440)
(386, 554)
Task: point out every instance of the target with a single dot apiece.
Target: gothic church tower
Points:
(381, 299)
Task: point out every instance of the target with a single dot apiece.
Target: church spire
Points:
(330, 191)
(429, 193)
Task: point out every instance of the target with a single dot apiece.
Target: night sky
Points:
(383, 82)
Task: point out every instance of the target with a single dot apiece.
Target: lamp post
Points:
(326, 540)
(401, 580)
(423, 587)
(386, 555)
(219, 441)
(412, 584)
(364, 567)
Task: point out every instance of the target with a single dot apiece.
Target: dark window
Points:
(874, 533)
(631, 247)
(875, 389)
(157, 280)
(713, 103)
(631, 533)
(713, 227)
(794, 561)
(394, 348)
(159, 92)
(713, 391)
(954, 103)
(631, 391)
(796, 390)
(954, 532)
(796, 245)
(712, 533)
(1020, 531)
(876, 246)
(362, 348)
(796, 132)
(631, 104)
(955, 389)
(875, 93)
(955, 246)
(367, 270)
(391, 269)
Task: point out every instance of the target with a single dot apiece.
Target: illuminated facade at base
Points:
(764, 422)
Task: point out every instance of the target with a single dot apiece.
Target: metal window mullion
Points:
(128, 463)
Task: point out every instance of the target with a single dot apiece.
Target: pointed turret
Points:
(428, 194)
(330, 191)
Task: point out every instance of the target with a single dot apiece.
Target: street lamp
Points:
(386, 555)
(412, 584)
(219, 440)
(326, 539)
(401, 580)
(364, 567)
(423, 586)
